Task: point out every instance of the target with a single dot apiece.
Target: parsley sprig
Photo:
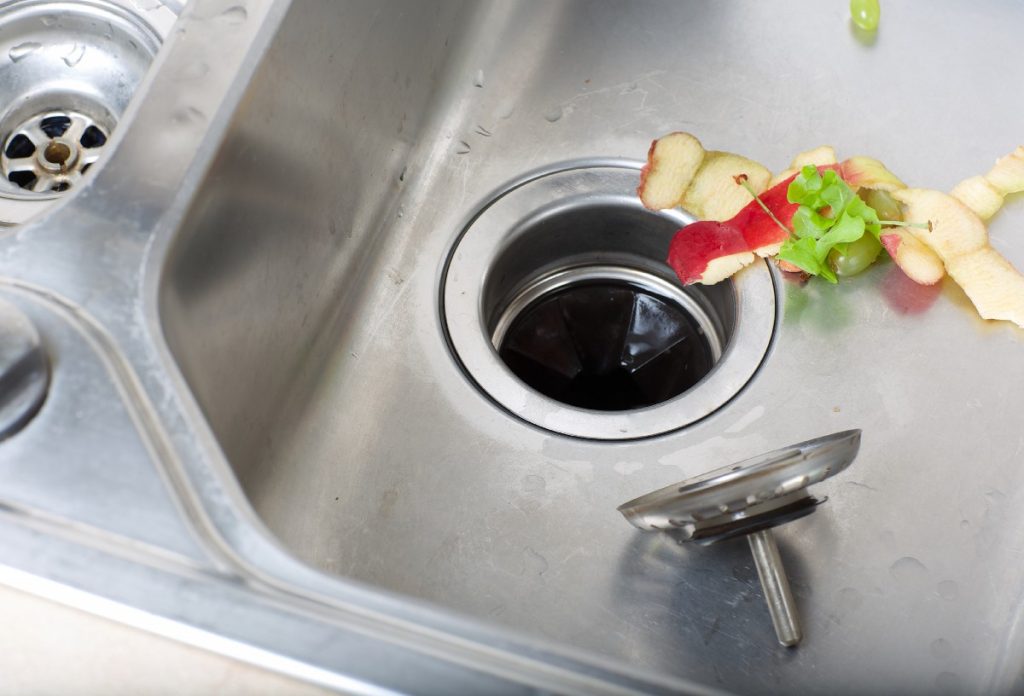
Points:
(830, 216)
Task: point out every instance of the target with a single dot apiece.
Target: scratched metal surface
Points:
(378, 460)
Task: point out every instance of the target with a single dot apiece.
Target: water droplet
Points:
(478, 80)
(462, 148)
(941, 649)
(147, 5)
(49, 20)
(965, 524)
(194, 71)
(534, 562)
(187, 115)
(74, 56)
(948, 590)
(553, 114)
(534, 484)
(908, 569)
(851, 599)
(506, 111)
(23, 50)
(948, 682)
(996, 497)
(627, 468)
(233, 15)
(401, 211)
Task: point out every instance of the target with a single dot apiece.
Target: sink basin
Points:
(283, 298)
(301, 301)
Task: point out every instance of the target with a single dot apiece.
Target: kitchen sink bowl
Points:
(304, 301)
(402, 340)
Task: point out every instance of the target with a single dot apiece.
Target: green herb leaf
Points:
(847, 229)
(800, 253)
(808, 223)
(804, 189)
(835, 193)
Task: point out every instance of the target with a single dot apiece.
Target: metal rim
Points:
(78, 140)
(777, 476)
(500, 222)
(631, 276)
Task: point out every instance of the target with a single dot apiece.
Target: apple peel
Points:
(709, 251)
(672, 162)
(994, 286)
(959, 238)
(985, 194)
(713, 193)
(867, 172)
(821, 156)
(917, 261)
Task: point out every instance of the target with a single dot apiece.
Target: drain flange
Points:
(559, 307)
(51, 151)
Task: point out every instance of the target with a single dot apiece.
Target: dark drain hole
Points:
(55, 126)
(20, 146)
(606, 346)
(93, 137)
(22, 179)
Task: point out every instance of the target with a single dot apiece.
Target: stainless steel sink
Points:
(324, 479)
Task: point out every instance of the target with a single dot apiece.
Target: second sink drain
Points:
(558, 304)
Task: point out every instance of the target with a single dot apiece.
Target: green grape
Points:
(883, 203)
(865, 14)
(859, 255)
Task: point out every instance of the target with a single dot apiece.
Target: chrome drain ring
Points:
(51, 151)
(579, 216)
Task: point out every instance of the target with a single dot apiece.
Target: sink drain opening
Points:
(559, 306)
(69, 73)
(51, 151)
(607, 338)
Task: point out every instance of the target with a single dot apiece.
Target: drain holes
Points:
(25, 180)
(93, 137)
(55, 126)
(19, 146)
(559, 306)
(49, 152)
(608, 345)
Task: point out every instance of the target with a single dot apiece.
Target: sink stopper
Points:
(24, 370)
(748, 499)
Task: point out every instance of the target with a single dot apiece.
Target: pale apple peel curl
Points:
(959, 237)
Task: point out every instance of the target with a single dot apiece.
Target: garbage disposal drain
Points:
(608, 339)
(559, 306)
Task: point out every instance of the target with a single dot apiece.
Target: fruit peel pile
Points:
(744, 213)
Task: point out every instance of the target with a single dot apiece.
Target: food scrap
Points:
(831, 219)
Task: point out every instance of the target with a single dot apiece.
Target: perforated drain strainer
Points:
(52, 151)
(67, 72)
(748, 499)
(559, 306)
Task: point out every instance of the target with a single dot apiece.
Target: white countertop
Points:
(47, 648)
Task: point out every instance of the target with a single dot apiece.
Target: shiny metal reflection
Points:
(748, 499)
